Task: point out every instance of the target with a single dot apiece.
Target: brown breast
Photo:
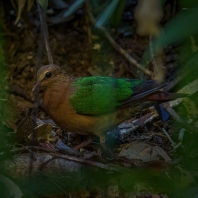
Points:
(57, 104)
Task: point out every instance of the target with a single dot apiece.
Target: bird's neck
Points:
(56, 93)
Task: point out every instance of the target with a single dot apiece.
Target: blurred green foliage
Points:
(105, 15)
(43, 3)
(117, 14)
(182, 30)
(187, 3)
(73, 8)
(106, 11)
(3, 98)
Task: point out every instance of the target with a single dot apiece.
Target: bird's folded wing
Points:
(100, 95)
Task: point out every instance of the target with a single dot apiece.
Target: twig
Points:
(87, 22)
(168, 136)
(115, 45)
(25, 149)
(126, 128)
(176, 146)
(42, 166)
(152, 53)
(45, 33)
(178, 119)
(96, 164)
(174, 8)
(180, 137)
(159, 70)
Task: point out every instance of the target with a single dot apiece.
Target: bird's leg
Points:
(107, 153)
(83, 144)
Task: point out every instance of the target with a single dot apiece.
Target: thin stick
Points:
(127, 128)
(115, 45)
(152, 54)
(168, 136)
(45, 33)
(159, 70)
(27, 148)
(178, 119)
(92, 163)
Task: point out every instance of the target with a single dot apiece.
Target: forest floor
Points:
(81, 55)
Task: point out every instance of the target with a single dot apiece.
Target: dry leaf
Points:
(144, 152)
(94, 37)
(97, 46)
(30, 4)
(25, 128)
(21, 4)
(43, 131)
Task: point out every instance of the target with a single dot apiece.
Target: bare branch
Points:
(45, 33)
(115, 45)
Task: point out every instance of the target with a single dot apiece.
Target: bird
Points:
(94, 105)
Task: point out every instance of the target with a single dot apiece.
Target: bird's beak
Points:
(36, 86)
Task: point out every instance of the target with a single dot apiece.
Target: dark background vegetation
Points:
(83, 49)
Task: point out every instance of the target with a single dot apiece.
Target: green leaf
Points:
(107, 13)
(60, 4)
(181, 27)
(43, 3)
(187, 3)
(73, 8)
(163, 2)
(116, 16)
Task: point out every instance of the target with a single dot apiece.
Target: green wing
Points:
(98, 95)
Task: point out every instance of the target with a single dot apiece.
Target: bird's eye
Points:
(48, 75)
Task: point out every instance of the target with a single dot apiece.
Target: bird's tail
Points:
(164, 96)
(149, 91)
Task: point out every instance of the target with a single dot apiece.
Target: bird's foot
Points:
(106, 152)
